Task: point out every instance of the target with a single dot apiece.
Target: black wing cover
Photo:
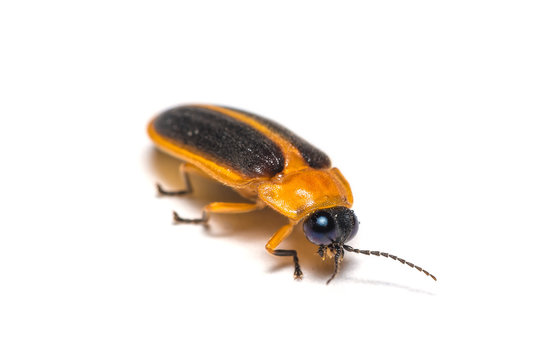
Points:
(314, 157)
(225, 140)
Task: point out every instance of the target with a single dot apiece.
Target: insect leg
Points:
(184, 169)
(220, 208)
(276, 239)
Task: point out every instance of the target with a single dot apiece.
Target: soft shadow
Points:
(390, 284)
(252, 227)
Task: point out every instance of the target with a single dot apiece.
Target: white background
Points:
(429, 108)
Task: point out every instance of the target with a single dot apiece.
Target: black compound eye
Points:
(320, 228)
(332, 225)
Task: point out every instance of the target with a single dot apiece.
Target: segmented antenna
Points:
(379, 253)
(338, 258)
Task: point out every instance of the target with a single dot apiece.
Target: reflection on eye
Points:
(322, 221)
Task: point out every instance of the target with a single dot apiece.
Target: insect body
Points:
(270, 166)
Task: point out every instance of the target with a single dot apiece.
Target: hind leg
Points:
(185, 169)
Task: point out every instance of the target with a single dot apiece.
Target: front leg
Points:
(276, 239)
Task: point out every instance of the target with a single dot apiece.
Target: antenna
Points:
(379, 253)
(339, 255)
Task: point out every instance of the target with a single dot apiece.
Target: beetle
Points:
(270, 166)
